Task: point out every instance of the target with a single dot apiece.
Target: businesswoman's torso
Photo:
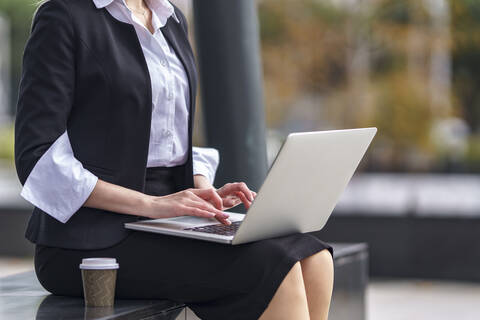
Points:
(114, 84)
(100, 92)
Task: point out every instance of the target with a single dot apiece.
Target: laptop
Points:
(299, 194)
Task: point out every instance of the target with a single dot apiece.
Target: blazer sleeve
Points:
(46, 87)
(53, 180)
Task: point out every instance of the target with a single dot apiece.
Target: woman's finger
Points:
(202, 204)
(244, 199)
(231, 201)
(246, 191)
(221, 216)
(232, 188)
(209, 195)
(223, 221)
(197, 212)
(196, 195)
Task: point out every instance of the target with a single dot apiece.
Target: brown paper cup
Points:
(98, 282)
(91, 313)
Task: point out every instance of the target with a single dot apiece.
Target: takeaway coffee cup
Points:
(99, 276)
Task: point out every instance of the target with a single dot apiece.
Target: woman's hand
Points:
(204, 203)
(231, 194)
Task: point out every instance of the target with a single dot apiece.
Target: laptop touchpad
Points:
(188, 221)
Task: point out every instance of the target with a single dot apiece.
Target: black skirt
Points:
(216, 281)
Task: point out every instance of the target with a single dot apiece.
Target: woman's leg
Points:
(317, 271)
(290, 300)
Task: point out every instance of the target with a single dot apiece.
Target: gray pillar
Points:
(228, 47)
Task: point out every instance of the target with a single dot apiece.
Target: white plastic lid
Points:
(99, 263)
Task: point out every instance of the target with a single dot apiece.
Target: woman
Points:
(103, 137)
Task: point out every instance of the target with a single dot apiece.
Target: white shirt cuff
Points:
(58, 184)
(205, 162)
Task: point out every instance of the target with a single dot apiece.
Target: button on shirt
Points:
(59, 185)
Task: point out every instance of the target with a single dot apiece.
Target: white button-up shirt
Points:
(59, 185)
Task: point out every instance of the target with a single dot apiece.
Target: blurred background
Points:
(411, 68)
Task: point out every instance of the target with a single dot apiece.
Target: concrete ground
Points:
(386, 299)
(9, 266)
(423, 300)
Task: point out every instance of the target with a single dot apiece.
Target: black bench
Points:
(351, 280)
(422, 226)
(22, 297)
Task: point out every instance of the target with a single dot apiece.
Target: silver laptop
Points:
(302, 187)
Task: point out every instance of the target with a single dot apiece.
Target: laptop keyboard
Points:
(219, 229)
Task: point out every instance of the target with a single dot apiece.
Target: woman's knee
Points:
(322, 260)
(318, 268)
(325, 257)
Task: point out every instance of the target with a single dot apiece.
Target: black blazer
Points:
(85, 72)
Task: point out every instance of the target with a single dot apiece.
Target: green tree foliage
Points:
(6, 145)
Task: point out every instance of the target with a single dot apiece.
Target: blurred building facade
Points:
(384, 63)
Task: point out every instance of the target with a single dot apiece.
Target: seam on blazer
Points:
(68, 10)
(98, 61)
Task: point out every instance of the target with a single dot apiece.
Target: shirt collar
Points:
(161, 9)
(102, 3)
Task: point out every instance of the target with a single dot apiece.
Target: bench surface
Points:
(22, 297)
